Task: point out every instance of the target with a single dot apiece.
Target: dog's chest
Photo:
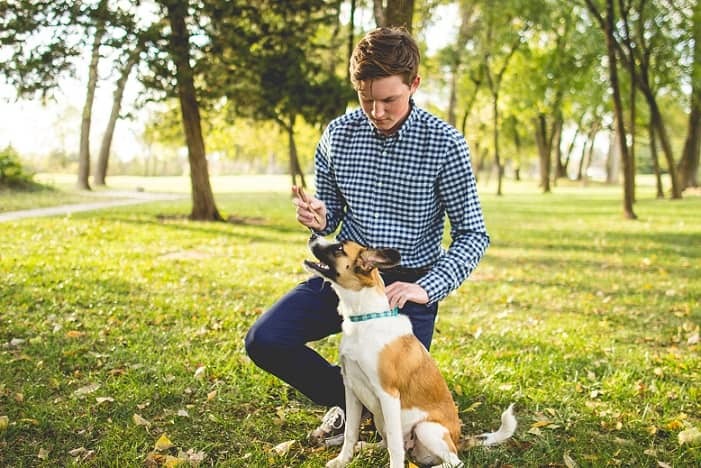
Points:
(360, 350)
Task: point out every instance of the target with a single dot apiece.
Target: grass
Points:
(117, 328)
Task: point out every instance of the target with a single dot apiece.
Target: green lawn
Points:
(117, 328)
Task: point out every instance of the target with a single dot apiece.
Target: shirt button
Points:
(384, 153)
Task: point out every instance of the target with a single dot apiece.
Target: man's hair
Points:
(385, 52)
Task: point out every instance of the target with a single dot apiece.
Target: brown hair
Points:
(385, 52)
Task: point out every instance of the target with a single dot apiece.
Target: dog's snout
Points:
(313, 237)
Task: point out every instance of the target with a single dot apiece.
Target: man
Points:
(387, 174)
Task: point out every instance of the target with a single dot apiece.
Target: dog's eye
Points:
(338, 251)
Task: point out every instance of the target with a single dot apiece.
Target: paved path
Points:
(126, 198)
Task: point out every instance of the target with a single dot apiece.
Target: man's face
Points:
(385, 101)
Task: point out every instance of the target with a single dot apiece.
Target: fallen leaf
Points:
(4, 423)
(86, 389)
(284, 447)
(163, 443)
(139, 421)
(690, 436)
(199, 373)
(75, 334)
(193, 458)
(78, 451)
(211, 395)
(542, 423)
(14, 342)
(101, 400)
(183, 413)
(569, 461)
(43, 454)
(173, 462)
(693, 339)
(663, 464)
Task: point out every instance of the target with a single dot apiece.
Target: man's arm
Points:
(457, 190)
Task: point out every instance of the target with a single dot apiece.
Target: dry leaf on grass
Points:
(140, 421)
(163, 443)
(284, 447)
(569, 461)
(690, 436)
(86, 389)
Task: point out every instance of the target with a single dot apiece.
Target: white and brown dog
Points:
(386, 368)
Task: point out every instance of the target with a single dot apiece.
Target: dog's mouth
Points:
(321, 268)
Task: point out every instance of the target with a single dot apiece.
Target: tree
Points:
(278, 76)
(609, 24)
(86, 119)
(394, 13)
(688, 168)
(502, 36)
(204, 207)
(103, 157)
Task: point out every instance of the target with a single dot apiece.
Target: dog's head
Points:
(349, 264)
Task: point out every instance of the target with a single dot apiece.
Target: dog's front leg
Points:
(392, 412)
(354, 411)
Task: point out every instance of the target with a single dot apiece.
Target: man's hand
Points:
(311, 212)
(400, 293)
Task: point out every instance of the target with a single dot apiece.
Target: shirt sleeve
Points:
(326, 187)
(457, 191)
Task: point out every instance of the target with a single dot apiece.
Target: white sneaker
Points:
(330, 431)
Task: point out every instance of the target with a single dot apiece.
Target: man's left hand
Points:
(400, 293)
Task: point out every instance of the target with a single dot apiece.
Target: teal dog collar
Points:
(387, 313)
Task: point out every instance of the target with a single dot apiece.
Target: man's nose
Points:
(378, 110)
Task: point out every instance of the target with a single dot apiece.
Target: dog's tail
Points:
(505, 431)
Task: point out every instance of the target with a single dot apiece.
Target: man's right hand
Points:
(311, 212)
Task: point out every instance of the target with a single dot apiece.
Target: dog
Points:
(385, 367)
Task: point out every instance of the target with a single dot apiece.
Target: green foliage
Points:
(587, 321)
(12, 174)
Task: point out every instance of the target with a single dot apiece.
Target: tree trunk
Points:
(556, 145)
(541, 138)
(688, 167)
(295, 167)
(497, 157)
(655, 161)
(618, 110)
(203, 206)
(104, 156)
(396, 13)
(83, 182)
(351, 36)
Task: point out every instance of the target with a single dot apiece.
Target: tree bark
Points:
(295, 167)
(396, 13)
(103, 157)
(544, 152)
(655, 161)
(83, 182)
(203, 206)
(618, 110)
(688, 168)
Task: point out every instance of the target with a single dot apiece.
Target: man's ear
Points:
(378, 258)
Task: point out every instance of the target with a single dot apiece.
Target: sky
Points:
(36, 129)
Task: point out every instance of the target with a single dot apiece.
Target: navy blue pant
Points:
(277, 341)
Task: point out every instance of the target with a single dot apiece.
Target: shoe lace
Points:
(333, 419)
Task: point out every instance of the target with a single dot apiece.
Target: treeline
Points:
(519, 78)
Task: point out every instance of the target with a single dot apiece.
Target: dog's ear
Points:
(378, 258)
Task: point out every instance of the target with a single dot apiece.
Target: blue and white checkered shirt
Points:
(394, 191)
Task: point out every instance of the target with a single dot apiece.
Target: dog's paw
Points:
(336, 463)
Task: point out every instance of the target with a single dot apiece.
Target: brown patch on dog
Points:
(407, 371)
